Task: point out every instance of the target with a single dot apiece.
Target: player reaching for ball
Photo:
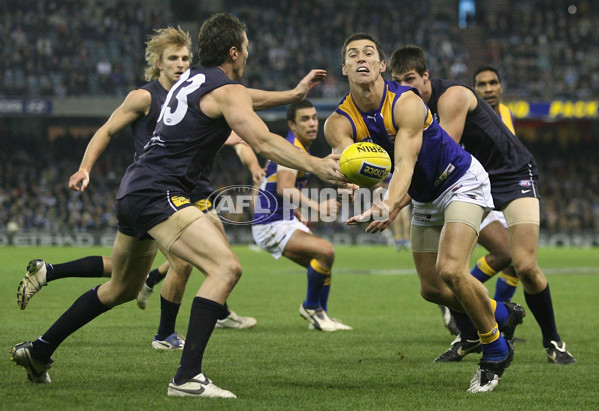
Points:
(514, 186)
(449, 188)
(277, 229)
(365, 164)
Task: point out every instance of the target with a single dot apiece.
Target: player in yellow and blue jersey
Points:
(277, 229)
(513, 172)
(449, 189)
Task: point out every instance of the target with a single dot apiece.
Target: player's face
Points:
(174, 62)
(362, 62)
(487, 85)
(241, 58)
(306, 125)
(411, 78)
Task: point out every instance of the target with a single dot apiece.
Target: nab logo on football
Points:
(375, 172)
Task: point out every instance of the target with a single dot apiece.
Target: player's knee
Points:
(182, 269)
(524, 266)
(431, 294)
(527, 270)
(232, 273)
(113, 295)
(327, 254)
(500, 260)
(450, 274)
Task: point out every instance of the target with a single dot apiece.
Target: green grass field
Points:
(385, 363)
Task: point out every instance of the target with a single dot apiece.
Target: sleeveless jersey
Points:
(486, 137)
(143, 127)
(185, 140)
(441, 161)
(265, 209)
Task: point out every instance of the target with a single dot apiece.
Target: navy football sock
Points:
(85, 267)
(465, 325)
(503, 290)
(324, 296)
(154, 278)
(541, 307)
(495, 351)
(168, 318)
(202, 320)
(316, 280)
(225, 313)
(87, 307)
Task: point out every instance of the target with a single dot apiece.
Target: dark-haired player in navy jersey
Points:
(168, 55)
(449, 190)
(487, 84)
(514, 185)
(154, 208)
(493, 235)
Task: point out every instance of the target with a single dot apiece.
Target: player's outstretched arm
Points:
(235, 104)
(411, 113)
(136, 105)
(262, 99)
(338, 133)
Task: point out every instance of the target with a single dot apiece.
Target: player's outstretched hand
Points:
(79, 180)
(258, 174)
(312, 79)
(379, 215)
(328, 170)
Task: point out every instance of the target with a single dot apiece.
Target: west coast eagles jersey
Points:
(441, 161)
(268, 206)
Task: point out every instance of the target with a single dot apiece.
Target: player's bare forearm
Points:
(96, 146)
(262, 99)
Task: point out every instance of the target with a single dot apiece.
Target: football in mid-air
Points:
(365, 164)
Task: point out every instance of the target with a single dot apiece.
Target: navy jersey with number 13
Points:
(185, 140)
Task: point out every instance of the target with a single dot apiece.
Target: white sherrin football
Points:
(365, 164)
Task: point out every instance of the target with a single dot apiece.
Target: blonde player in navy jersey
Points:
(514, 185)
(154, 209)
(277, 229)
(168, 55)
(449, 189)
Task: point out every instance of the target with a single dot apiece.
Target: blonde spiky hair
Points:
(158, 42)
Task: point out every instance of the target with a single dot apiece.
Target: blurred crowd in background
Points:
(545, 49)
(34, 194)
(55, 48)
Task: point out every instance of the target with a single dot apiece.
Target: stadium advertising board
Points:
(557, 109)
(25, 106)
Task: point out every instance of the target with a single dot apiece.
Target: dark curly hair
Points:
(217, 35)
